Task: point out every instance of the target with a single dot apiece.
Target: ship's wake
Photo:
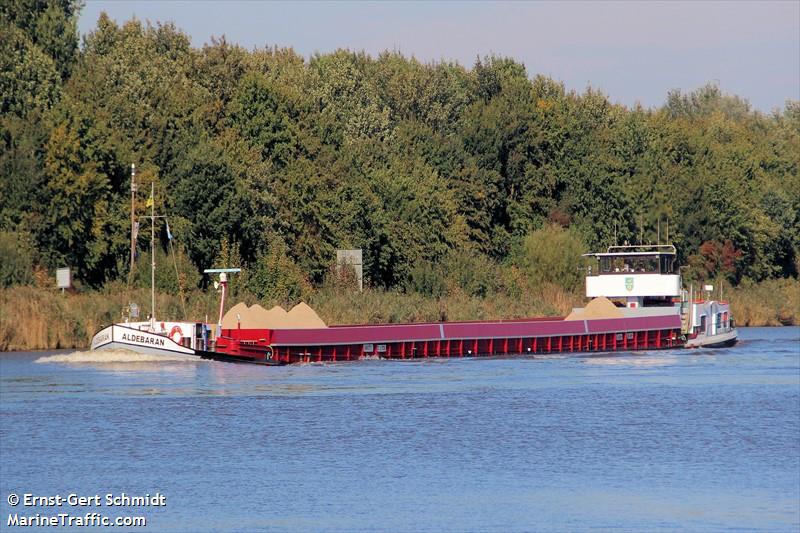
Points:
(115, 357)
(632, 359)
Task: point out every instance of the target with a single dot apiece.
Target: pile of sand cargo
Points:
(301, 316)
(600, 307)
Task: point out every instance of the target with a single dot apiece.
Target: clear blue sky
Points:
(633, 51)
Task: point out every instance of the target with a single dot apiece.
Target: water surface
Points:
(672, 440)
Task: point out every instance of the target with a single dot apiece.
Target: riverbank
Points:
(43, 319)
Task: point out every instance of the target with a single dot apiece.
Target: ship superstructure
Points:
(645, 281)
(639, 276)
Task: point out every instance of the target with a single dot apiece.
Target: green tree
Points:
(70, 225)
(29, 81)
(265, 117)
(51, 25)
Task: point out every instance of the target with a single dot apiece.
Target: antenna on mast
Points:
(152, 216)
(641, 229)
(132, 310)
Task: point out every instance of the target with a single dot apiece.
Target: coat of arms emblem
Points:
(629, 284)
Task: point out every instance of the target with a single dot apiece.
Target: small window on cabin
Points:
(605, 264)
(667, 264)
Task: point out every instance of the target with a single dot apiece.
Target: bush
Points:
(551, 255)
(472, 272)
(275, 278)
(187, 279)
(427, 279)
(16, 264)
(462, 270)
(342, 278)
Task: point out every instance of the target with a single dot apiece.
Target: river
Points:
(674, 440)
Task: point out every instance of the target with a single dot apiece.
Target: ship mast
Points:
(134, 235)
(133, 221)
(152, 255)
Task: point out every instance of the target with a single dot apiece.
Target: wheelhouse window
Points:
(635, 261)
(637, 264)
(667, 264)
(646, 263)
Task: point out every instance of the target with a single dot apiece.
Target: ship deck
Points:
(451, 339)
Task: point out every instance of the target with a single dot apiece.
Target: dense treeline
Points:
(448, 178)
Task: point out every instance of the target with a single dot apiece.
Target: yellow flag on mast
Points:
(150, 200)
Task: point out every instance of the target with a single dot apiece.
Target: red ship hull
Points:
(447, 339)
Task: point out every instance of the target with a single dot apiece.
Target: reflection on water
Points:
(678, 440)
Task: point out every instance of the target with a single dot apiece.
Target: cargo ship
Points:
(637, 303)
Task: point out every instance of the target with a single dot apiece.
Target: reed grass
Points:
(774, 302)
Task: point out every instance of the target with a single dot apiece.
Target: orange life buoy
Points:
(176, 329)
